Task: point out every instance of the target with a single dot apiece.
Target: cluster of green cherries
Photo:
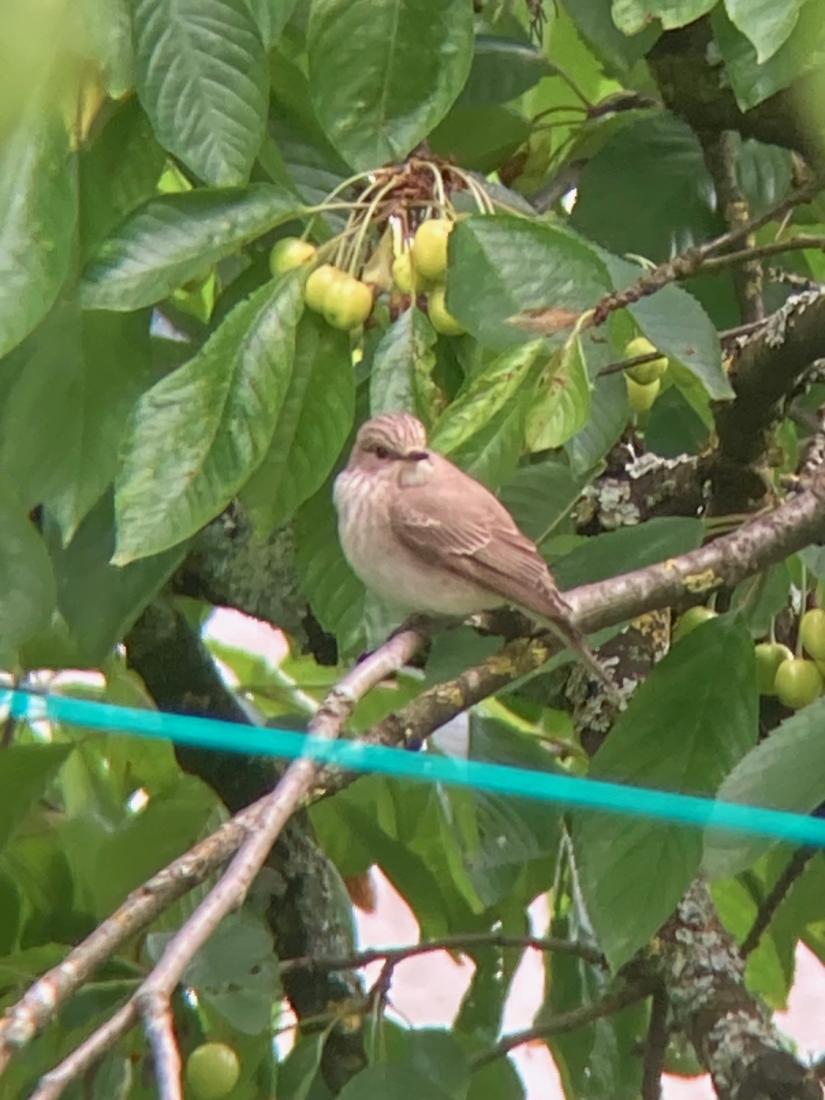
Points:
(346, 301)
(794, 679)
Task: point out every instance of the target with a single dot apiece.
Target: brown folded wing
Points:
(455, 523)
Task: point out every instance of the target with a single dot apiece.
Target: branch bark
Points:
(764, 372)
(731, 1030)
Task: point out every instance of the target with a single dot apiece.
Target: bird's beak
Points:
(417, 456)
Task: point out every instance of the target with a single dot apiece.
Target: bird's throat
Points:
(416, 473)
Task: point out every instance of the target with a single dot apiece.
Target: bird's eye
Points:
(381, 452)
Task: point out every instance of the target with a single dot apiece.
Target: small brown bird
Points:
(426, 537)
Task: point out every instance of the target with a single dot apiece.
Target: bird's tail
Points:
(576, 642)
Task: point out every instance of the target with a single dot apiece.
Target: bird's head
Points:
(393, 445)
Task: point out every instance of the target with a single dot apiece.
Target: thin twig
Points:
(41, 1002)
(52, 1084)
(721, 156)
(626, 364)
(656, 1046)
(781, 888)
(758, 252)
(743, 330)
(465, 942)
(692, 259)
(612, 1002)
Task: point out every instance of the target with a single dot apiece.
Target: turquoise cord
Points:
(590, 794)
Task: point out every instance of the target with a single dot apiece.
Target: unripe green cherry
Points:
(212, 1071)
(402, 272)
(644, 373)
(318, 285)
(693, 617)
(348, 303)
(441, 320)
(798, 682)
(812, 633)
(642, 396)
(769, 656)
(290, 252)
(429, 250)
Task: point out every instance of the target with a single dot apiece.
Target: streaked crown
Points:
(398, 433)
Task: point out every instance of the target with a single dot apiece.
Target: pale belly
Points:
(395, 574)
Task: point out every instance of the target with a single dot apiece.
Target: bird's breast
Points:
(387, 566)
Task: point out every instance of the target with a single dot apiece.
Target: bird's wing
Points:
(458, 525)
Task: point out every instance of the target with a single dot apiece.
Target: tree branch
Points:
(730, 1029)
(463, 942)
(765, 370)
(780, 890)
(692, 260)
(656, 1046)
(612, 1002)
(720, 156)
(256, 829)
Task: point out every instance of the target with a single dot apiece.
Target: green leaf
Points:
(107, 28)
(608, 418)
(196, 436)
(271, 16)
(303, 157)
(38, 197)
(302, 1065)
(786, 771)
(78, 378)
(483, 395)
(539, 496)
(618, 51)
(11, 913)
(99, 601)
(498, 1080)
(434, 1053)
(402, 367)
(767, 23)
(174, 238)
(118, 172)
(483, 429)
(393, 1082)
(591, 1060)
(26, 773)
(312, 426)
(507, 834)
(236, 972)
(419, 57)
(632, 16)
(684, 729)
(202, 78)
(562, 401)
(628, 548)
(765, 173)
(502, 265)
(803, 51)
(674, 427)
(108, 863)
(27, 596)
(676, 324)
(662, 198)
(502, 69)
(335, 594)
(480, 137)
